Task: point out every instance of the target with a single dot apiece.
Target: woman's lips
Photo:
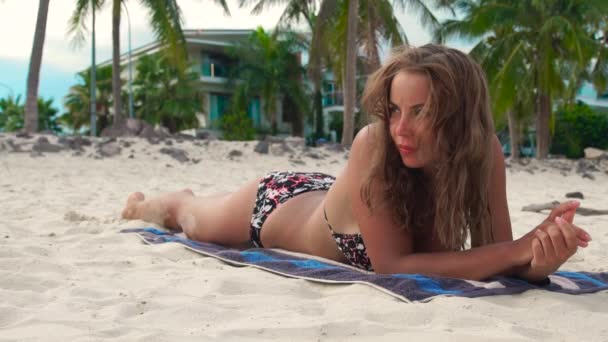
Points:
(406, 149)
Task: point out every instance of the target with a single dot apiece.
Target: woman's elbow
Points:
(386, 267)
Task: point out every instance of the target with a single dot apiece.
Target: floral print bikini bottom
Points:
(277, 187)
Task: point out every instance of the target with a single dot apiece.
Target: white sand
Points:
(66, 274)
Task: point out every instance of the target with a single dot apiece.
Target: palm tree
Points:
(541, 44)
(376, 21)
(12, 115)
(78, 100)
(165, 96)
(350, 71)
(491, 53)
(268, 66)
(166, 21)
(48, 119)
(33, 77)
(296, 11)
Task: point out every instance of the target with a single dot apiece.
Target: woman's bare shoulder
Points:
(365, 142)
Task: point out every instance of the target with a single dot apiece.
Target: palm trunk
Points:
(318, 110)
(33, 77)
(513, 134)
(350, 73)
(116, 84)
(543, 113)
(372, 49)
(297, 122)
(102, 120)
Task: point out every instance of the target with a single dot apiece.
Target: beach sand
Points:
(67, 274)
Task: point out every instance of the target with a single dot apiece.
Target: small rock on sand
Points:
(576, 194)
(595, 153)
(43, 145)
(176, 153)
(262, 147)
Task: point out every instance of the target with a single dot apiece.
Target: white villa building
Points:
(207, 51)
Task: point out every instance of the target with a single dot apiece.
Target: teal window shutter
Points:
(253, 111)
(206, 65)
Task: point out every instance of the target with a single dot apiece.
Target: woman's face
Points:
(411, 134)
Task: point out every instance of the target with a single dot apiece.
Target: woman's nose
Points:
(405, 125)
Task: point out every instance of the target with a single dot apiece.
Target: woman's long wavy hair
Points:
(455, 199)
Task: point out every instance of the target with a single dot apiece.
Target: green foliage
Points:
(551, 47)
(267, 66)
(237, 126)
(78, 100)
(163, 95)
(47, 116)
(164, 17)
(579, 126)
(12, 113)
(336, 123)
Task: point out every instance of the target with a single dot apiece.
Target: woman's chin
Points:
(411, 162)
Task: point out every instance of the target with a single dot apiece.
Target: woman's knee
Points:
(188, 224)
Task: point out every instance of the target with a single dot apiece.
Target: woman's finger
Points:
(569, 215)
(562, 208)
(558, 241)
(538, 256)
(545, 242)
(581, 234)
(569, 235)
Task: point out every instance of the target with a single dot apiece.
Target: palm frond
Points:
(419, 9)
(77, 25)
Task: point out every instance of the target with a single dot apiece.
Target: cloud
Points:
(61, 60)
(19, 18)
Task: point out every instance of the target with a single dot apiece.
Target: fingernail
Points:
(588, 236)
(559, 220)
(575, 202)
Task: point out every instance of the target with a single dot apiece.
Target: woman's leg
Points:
(223, 218)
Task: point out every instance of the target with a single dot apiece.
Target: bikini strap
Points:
(326, 220)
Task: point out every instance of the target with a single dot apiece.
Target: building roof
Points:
(213, 37)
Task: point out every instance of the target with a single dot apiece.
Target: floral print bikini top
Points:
(352, 246)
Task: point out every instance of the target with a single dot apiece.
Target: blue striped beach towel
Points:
(407, 287)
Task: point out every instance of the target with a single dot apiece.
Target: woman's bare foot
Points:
(130, 210)
(161, 209)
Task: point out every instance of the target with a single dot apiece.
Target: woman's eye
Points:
(393, 110)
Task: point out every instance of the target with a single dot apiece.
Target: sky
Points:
(61, 60)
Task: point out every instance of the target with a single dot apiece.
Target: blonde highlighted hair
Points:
(455, 200)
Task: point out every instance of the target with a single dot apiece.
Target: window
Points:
(214, 65)
(253, 111)
(218, 105)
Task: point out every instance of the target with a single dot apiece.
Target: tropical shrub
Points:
(237, 126)
(164, 95)
(577, 127)
(78, 101)
(336, 123)
(12, 113)
(267, 65)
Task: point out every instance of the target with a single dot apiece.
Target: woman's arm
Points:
(391, 248)
(539, 266)
(497, 196)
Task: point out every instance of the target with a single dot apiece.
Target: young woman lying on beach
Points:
(427, 175)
